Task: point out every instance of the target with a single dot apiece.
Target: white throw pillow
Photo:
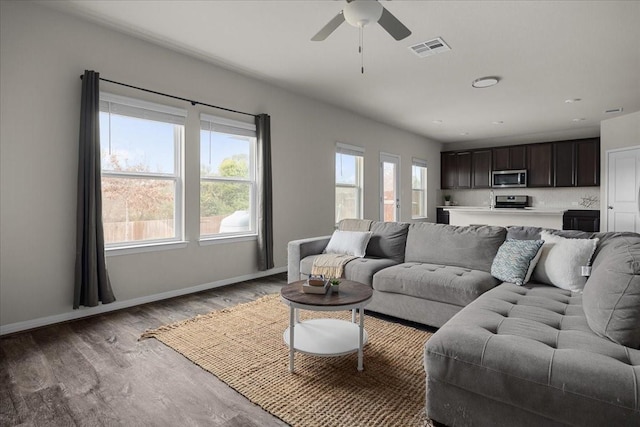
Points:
(348, 243)
(561, 261)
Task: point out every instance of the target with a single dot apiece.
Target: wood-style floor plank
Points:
(95, 372)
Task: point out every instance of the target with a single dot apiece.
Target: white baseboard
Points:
(118, 305)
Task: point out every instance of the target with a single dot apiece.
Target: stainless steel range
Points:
(517, 202)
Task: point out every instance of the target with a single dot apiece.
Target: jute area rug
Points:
(243, 346)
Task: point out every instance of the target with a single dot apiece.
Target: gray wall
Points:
(619, 132)
(43, 53)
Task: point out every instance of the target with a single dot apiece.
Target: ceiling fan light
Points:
(360, 12)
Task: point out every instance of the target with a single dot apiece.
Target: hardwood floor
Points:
(94, 371)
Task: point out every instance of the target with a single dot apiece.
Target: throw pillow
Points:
(611, 298)
(348, 243)
(561, 261)
(516, 260)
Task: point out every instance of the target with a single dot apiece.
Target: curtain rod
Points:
(175, 97)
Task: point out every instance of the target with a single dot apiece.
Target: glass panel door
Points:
(389, 187)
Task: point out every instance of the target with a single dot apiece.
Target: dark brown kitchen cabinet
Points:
(442, 216)
(448, 170)
(481, 169)
(577, 163)
(564, 162)
(540, 165)
(464, 170)
(513, 157)
(583, 220)
(455, 170)
(588, 162)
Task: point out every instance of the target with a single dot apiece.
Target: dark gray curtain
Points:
(265, 200)
(92, 283)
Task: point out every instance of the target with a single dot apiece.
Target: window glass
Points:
(349, 178)
(141, 174)
(419, 189)
(227, 178)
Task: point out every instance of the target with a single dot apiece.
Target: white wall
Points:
(43, 53)
(616, 133)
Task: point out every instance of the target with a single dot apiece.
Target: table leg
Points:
(353, 315)
(361, 339)
(292, 323)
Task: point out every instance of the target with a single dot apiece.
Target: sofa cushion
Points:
(388, 240)
(530, 347)
(472, 247)
(562, 260)
(612, 293)
(359, 270)
(516, 260)
(452, 285)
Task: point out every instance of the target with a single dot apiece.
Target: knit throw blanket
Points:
(330, 265)
(351, 224)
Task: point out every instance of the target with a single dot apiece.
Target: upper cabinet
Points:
(455, 170)
(481, 169)
(588, 162)
(577, 163)
(573, 163)
(513, 157)
(540, 165)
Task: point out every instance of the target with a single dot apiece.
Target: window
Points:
(349, 181)
(140, 146)
(227, 177)
(418, 189)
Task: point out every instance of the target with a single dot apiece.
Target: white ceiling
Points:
(544, 51)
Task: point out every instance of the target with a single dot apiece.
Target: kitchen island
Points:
(535, 217)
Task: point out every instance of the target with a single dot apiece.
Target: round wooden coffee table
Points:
(326, 337)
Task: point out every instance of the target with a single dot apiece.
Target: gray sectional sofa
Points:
(507, 355)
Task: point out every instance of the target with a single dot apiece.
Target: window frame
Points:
(355, 151)
(177, 177)
(422, 164)
(231, 127)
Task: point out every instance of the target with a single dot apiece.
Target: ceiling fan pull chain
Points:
(361, 49)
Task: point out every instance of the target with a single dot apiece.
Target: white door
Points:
(389, 187)
(623, 188)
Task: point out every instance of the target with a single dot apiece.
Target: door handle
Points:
(609, 207)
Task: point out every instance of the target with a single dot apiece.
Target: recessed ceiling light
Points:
(497, 122)
(581, 119)
(438, 122)
(464, 133)
(571, 101)
(483, 82)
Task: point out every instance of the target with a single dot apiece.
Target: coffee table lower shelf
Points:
(326, 337)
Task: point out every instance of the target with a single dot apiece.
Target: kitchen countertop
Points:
(486, 209)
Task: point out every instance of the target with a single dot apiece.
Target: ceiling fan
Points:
(359, 13)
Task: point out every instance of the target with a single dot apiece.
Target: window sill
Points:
(206, 241)
(148, 247)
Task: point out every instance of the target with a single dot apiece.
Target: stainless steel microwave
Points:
(511, 178)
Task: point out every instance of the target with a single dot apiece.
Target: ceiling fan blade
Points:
(329, 28)
(394, 27)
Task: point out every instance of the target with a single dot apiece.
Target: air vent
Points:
(614, 110)
(430, 47)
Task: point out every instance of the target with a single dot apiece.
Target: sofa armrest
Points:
(299, 249)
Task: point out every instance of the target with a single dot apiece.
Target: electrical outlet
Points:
(574, 203)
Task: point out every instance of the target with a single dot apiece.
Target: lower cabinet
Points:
(442, 216)
(583, 220)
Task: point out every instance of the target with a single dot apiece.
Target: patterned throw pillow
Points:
(516, 260)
